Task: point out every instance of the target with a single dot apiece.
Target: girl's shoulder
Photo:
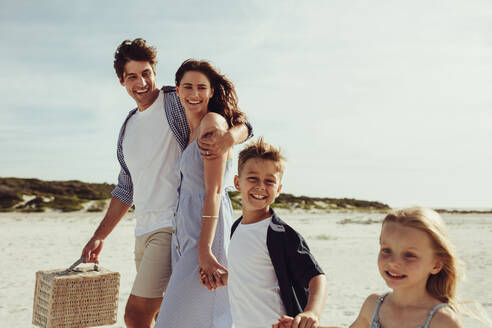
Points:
(367, 311)
(373, 299)
(445, 317)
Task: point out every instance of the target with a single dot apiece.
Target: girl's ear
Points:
(236, 182)
(177, 90)
(437, 267)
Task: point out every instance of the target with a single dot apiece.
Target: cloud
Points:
(363, 97)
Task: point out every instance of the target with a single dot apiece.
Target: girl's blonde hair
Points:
(442, 285)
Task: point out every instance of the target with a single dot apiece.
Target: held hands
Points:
(219, 277)
(214, 142)
(306, 319)
(92, 249)
(212, 273)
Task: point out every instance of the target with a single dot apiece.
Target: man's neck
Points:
(155, 95)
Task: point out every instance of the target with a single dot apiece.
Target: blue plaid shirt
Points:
(179, 125)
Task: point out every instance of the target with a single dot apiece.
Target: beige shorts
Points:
(153, 261)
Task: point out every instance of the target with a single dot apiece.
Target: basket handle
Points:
(81, 260)
(74, 265)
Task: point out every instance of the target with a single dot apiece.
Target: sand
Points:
(347, 252)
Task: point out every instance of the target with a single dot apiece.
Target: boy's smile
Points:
(259, 184)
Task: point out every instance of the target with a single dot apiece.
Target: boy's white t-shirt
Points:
(151, 154)
(253, 287)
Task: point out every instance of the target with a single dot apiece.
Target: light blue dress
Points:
(186, 302)
(375, 319)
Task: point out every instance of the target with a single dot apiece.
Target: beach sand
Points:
(347, 252)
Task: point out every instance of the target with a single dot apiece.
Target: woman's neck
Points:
(194, 124)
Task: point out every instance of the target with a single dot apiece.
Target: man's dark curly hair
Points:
(133, 50)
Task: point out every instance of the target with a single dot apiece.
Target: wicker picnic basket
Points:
(75, 297)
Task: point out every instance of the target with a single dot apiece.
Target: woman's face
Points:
(194, 91)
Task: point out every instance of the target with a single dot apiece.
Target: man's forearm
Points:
(317, 294)
(116, 210)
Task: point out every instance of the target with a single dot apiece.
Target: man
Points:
(149, 146)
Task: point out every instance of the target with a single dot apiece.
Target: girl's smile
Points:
(395, 275)
(406, 258)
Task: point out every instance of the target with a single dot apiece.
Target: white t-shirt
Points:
(151, 154)
(254, 292)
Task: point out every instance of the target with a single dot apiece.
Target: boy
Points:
(272, 273)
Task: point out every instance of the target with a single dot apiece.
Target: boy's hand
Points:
(219, 277)
(214, 143)
(284, 322)
(306, 319)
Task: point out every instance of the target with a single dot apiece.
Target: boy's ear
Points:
(278, 190)
(236, 182)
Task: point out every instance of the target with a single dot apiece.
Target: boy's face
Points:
(259, 184)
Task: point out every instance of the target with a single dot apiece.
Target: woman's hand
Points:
(214, 142)
(209, 268)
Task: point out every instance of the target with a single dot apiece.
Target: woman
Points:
(204, 212)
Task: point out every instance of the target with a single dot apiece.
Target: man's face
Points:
(139, 81)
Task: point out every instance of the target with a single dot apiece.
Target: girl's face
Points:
(194, 91)
(406, 258)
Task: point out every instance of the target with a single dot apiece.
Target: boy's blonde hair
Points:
(261, 150)
(442, 285)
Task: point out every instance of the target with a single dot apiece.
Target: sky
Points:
(378, 100)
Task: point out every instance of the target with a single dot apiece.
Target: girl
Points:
(204, 213)
(418, 262)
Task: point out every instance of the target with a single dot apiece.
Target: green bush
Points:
(67, 203)
(97, 206)
(8, 197)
